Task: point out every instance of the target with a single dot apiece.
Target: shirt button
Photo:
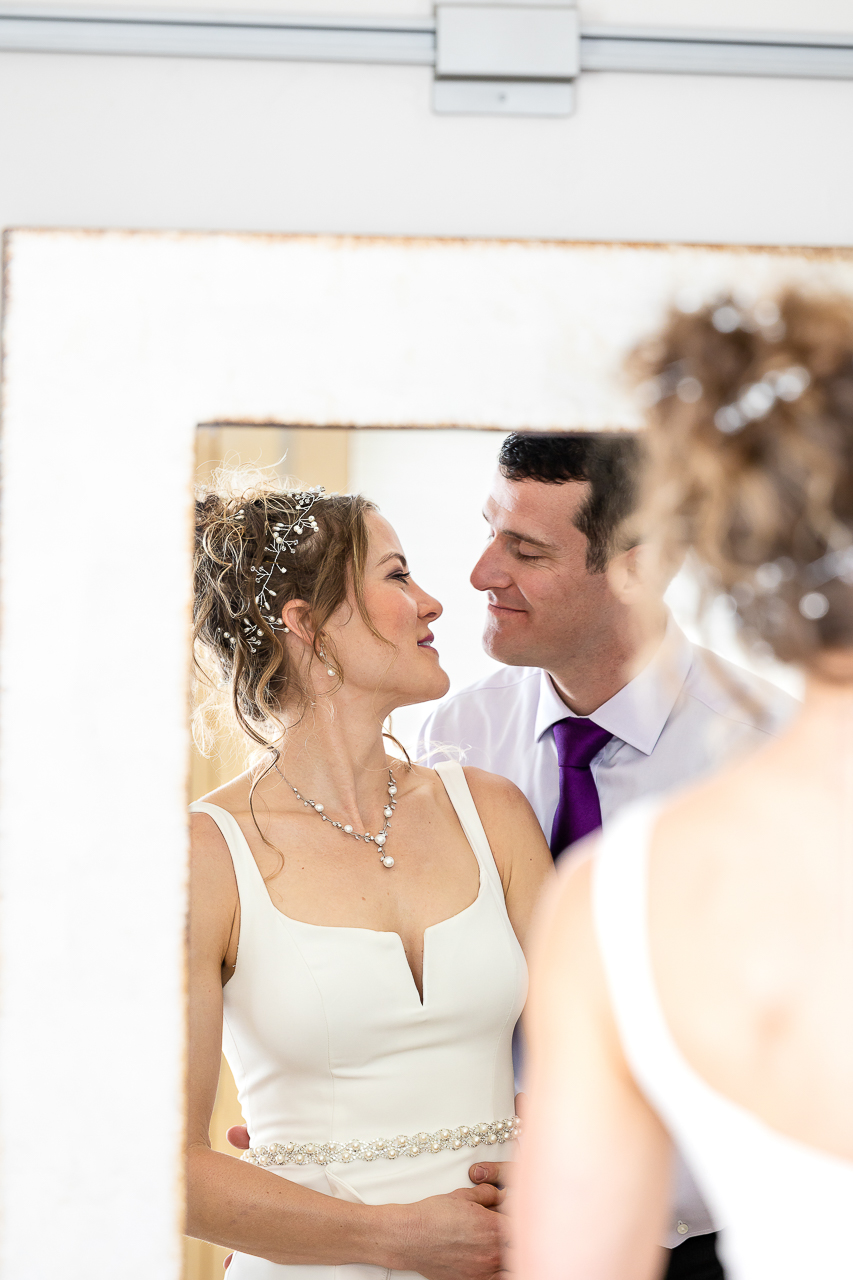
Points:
(682, 1228)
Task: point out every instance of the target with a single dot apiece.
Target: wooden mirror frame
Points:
(116, 345)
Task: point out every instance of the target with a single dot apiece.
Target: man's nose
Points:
(489, 572)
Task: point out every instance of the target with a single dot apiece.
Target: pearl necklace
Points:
(379, 840)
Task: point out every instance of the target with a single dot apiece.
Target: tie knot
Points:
(578, 742)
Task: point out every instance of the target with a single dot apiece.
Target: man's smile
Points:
(503, 609)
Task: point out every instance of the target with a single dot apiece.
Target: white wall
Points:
(147, 142)
(431, 486)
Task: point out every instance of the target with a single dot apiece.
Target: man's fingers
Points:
(238, 1136)
(227, 1263)
(490, 1197)
(499, 1174)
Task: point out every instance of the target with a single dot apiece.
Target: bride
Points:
(695, 982)
(355, 922)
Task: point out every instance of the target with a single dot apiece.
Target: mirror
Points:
(116, 348)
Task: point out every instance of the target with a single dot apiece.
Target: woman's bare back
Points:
(751, 921)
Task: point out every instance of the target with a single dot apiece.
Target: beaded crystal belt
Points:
(497, 1131)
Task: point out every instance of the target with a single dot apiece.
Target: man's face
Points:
(545, 609)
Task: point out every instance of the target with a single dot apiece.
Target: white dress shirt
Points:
(684, 714)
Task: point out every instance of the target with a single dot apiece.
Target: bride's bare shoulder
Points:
(490, 789)
(209, 849)
(233, 795)
(511, 825)
(497, 792)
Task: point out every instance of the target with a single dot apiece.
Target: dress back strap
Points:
(620, 911)
(459, 793)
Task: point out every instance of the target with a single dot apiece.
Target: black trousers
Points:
(696, 1259)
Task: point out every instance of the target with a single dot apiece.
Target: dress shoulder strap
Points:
(459, 793)
(250, 882)
(620, 913)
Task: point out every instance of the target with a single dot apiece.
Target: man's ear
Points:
(628, 573)
(639, 575)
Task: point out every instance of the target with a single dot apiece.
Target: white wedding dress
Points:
(786, 1208)
(329, 1042)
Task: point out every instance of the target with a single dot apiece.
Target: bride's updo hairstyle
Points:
(241, 657)
(750, 435)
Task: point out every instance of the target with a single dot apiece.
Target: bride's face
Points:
(403, 667)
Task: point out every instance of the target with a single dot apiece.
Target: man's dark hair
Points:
(609, 462)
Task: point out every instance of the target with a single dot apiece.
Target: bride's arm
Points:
(591, 1197)
(521, 852)
(239, 1206)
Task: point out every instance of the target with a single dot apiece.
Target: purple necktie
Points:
(578, 809)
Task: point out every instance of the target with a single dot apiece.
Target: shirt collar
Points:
(639, 711)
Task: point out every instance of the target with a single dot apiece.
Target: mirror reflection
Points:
(383, 782)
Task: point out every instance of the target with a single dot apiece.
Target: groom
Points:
(602, 699)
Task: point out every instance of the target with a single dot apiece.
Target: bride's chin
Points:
(425, 692)
(444, 684)
(441, 682)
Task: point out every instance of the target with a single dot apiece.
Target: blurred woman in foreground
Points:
(694, 981)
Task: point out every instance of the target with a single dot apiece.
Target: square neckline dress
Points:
(329, 1042)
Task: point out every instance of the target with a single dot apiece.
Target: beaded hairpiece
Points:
(835, 565)
(284, 540)
(754, 401)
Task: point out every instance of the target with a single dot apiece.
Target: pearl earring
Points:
(323, 658)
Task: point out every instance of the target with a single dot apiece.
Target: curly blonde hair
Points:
(750, 461)
(252, 680)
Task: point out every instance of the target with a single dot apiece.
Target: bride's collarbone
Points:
(326, 877)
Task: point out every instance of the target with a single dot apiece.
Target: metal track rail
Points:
(407, 41)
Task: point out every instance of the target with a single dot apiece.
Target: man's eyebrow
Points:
(526, 537)
(393, 555)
